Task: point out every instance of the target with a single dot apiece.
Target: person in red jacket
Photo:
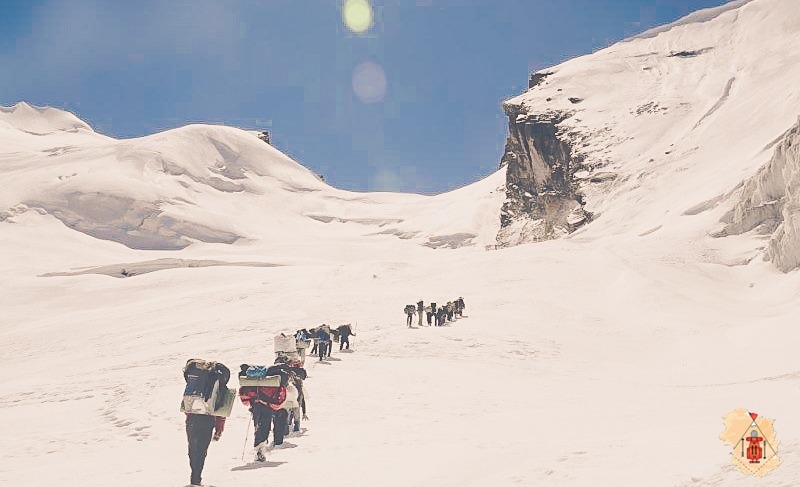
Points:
(265, 406)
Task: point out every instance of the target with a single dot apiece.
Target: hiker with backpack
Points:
(460, 306)
(324, 336)
(409, 310)
(420, 311)
(294, 404)
(298, 375)
(291, 405)
(205, 394)
(265, 407)
(345, 332)
(433, 314)
(441, 316)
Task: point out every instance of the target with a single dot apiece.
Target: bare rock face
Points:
(769, 203)
(542, 195)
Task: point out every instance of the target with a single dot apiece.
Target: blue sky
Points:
(135, 68)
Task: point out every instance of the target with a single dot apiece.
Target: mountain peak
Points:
(40, 120)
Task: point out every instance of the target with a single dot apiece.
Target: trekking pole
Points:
(247, 435)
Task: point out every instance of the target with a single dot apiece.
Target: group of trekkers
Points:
(436, 315)
(274, 394)
(324, 336)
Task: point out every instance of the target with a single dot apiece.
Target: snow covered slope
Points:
(605, 358)
(205, 183)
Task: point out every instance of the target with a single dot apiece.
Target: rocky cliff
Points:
(543, 199)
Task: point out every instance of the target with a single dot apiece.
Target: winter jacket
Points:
(268, 396)
(323, 336)
(345, 331)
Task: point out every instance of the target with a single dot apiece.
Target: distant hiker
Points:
(441, 316)
(409, 310)
(450, 310)
(429, 314)
(420, 311)
(302, 341)
(265, 406)
(434, 313)
(460, 306)
(206, 384)
(344, 335)
(324, 336)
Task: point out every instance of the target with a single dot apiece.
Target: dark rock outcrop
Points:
(543, 200)
(537, 78)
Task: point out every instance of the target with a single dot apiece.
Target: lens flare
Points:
(357, 15)
(369, 82)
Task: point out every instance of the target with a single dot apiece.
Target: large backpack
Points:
(261, 376)
(410, 308)
(206, 386)
(284, 343)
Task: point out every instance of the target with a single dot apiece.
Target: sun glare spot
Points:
(357, 15)
(369, 82)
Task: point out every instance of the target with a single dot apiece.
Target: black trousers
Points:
(264, 419)
(323, 349)
(344, 341)
(262, 422)
(199, 428)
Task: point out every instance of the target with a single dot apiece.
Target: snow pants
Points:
(345, 340)
(199, 428)
(265, 418)
(408, 321)
(323, 349)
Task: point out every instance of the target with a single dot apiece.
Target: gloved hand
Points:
(305, 417)
(216, 436)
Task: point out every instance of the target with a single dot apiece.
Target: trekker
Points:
(435, 314)
(265, 406)
(450, 310)
(291, 405)
(202, 427)
(420, 311)
(344, 335)
(460, 306)
(324, 341)
(441, 316)
(409, 310)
